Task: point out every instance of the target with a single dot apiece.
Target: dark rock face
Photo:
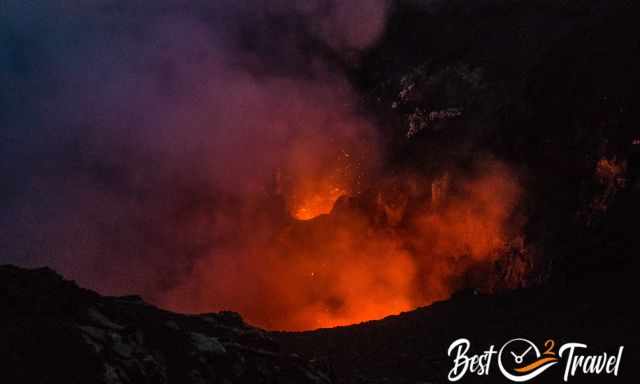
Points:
(549, 87)
(52, 331)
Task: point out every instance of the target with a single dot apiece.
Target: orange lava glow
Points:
(316, 204)
(317, 175)
(405, 243)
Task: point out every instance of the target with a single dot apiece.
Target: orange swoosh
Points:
(535, 364)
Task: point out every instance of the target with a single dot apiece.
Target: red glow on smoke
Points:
(401, 245)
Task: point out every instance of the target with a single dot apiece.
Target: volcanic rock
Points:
(53, 331)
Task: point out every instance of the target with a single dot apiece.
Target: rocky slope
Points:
(52, 331)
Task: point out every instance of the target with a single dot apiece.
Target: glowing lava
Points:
(316, 204)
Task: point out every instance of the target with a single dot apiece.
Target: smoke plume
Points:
(172, 148)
